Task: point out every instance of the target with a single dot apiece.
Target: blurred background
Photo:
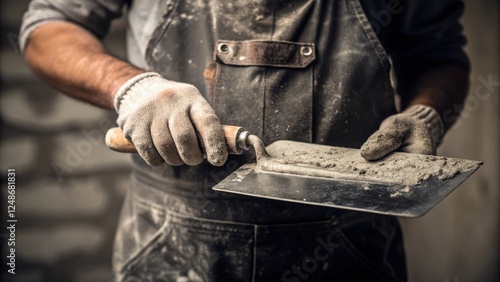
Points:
(70, 186)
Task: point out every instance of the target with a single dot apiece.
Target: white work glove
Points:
(418, 129)
(162, 119)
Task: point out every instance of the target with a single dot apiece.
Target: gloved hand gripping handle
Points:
(236, 140)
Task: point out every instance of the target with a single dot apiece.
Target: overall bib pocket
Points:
(139, 224)
(264, 86)
(193, 249)
(166, 245)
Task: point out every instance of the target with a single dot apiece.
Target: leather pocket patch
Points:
(265, 53)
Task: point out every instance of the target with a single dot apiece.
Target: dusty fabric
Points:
(415, 34)
(418, 129)
(157, 241)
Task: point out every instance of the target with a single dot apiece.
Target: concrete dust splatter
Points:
(344, 163)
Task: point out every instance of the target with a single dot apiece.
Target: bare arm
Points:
(159, 116)
(74, 61)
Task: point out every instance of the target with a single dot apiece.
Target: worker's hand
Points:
(162, 117)
(418, 129)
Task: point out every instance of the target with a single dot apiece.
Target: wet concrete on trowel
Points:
(345, 163)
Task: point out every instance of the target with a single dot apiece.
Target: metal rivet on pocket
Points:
(223, 48)
(306, 51)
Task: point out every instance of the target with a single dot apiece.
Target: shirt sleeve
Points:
(94, 15)
(422, 34)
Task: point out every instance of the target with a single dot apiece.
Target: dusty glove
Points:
(161, 118)
(418, 129)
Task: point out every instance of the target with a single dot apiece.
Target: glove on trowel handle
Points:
(236, 140)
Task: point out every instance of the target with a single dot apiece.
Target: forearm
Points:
(74, 61)
(444, 88)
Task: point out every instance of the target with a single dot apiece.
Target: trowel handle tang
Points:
(236, 140)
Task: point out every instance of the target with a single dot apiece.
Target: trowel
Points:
(401, 184)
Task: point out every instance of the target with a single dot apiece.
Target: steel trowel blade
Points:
(367, 196)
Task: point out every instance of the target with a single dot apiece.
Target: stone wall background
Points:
(69, 185)
(67, 216)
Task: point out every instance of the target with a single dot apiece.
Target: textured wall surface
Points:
(70, 186)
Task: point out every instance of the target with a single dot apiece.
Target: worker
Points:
(312, 71)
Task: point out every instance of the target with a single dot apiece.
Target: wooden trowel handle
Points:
(115, 140)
